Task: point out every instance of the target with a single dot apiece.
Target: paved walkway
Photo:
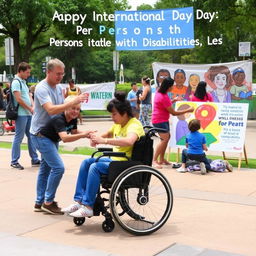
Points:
(212, 215)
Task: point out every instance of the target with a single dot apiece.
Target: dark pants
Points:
(197, 157)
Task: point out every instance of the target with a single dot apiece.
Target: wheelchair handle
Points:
(153, 129)
(151, 132)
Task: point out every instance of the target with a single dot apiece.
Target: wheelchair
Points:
(139, 197)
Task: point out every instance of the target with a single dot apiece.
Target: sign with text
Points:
(99, 95)
(223, 124)
(244, 49)
(154, 29)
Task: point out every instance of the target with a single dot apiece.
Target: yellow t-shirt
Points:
(74, 92)
(133, 125)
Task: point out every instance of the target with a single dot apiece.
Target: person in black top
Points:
(2, 107)
(60, 127)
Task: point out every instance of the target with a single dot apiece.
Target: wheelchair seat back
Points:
(142, 154)
(143, 150)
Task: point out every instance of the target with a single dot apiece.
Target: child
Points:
(196, 145)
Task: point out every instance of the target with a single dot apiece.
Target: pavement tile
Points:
(180, 250)
(212, 214)
(30, 247)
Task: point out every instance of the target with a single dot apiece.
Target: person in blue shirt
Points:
(196, 145)
(21, 94)
(133, 99)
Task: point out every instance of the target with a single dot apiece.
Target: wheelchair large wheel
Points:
(147, 203)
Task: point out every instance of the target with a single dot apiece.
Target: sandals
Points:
(165, 162)
(157, 165)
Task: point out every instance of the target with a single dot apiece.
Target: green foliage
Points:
(29, 23)
(235, 22)
(126, 87)
(136, 64)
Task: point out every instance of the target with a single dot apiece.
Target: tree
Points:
(24, 21)
(235, 22)
(29, 22)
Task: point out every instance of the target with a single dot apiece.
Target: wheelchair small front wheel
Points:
(108, 225)
(79, 220)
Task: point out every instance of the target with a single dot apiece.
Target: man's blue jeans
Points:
(88, 180)
(51, 169)
(22, 126)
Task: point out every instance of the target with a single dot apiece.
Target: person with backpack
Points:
(21, 94)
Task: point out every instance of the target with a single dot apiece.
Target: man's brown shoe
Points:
(38, 208)
(52, 208)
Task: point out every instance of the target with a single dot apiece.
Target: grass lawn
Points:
(88, 151)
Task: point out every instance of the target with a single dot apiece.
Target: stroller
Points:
(7, 126)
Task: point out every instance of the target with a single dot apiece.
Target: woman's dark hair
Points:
(120, 104)
(146, 79)
(165, 85)
(194, 125)
(200, 92)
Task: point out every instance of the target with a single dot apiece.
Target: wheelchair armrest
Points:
(105, 149)
(116, 154)
(100, 150)
(119, 154)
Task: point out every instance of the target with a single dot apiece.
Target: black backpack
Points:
(12, 110)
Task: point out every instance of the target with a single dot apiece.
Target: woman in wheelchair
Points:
(125, 131)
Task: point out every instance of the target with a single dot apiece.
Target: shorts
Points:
(163, 125)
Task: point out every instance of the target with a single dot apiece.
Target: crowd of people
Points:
(47, 115)
(168, 91)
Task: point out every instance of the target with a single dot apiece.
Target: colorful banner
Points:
(227, 82)
(155, 29)
(99, 95)
(224, 125)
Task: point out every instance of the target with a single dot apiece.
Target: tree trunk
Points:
(17, 50)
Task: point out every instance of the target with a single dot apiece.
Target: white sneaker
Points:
(202, 168)
(71, 208)
(181, 169)
(83, 211)
(229, 167)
